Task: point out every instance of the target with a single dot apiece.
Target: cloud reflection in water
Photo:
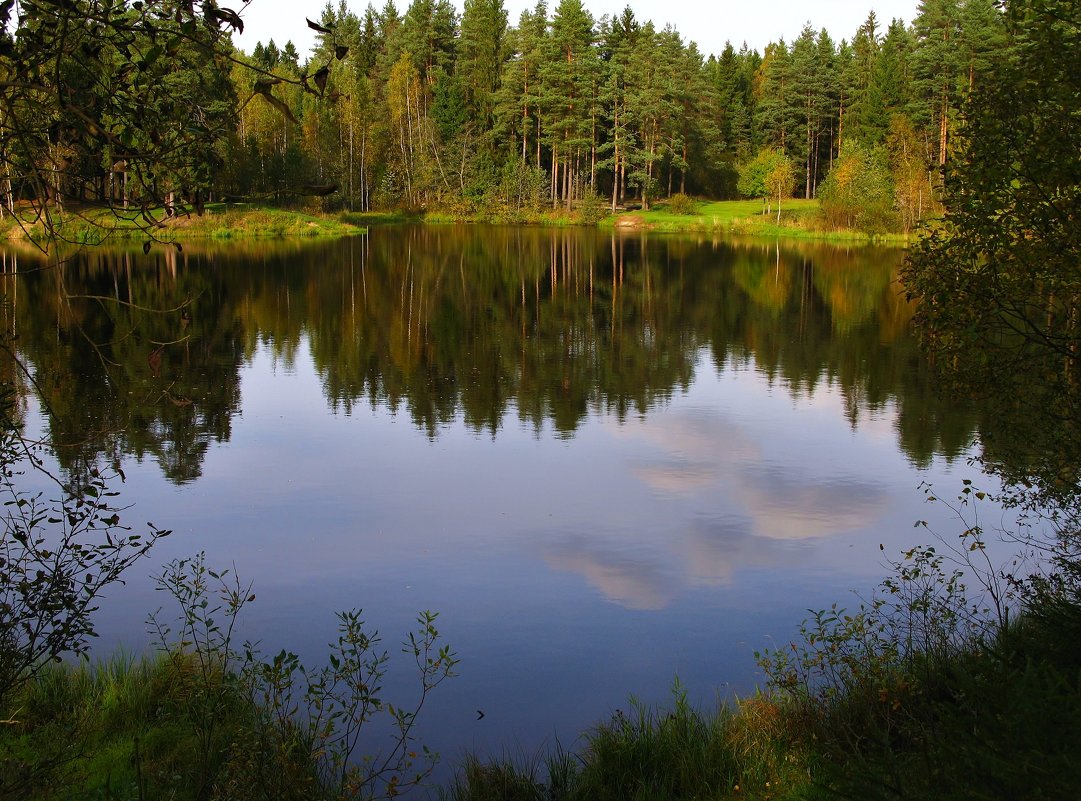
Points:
(733, 508)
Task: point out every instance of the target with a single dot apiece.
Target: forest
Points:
(436, 110)
(471, 115)
(956, 678)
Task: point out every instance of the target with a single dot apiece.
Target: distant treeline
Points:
(145, 105)
(433, 109)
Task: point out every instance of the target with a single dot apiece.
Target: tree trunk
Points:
(615, 168)
(683, 171)
(555, 179)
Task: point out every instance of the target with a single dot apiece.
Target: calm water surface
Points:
(606, 461)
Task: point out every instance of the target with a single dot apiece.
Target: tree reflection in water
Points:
(141, 355)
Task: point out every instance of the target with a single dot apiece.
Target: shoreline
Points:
(238, 221)
(220, 221)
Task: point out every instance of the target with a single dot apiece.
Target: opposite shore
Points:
(799, 219)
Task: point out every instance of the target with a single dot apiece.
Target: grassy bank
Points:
(800, 219)
(209, 718)
(869, 705)
(220, 221)
(906, 701)
(121, 729)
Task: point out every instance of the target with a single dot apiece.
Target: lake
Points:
(606, 460)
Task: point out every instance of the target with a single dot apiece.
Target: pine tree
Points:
(567, 78)
(428, 33)
(868, 112)
(809, 96)
(893, 69)
(517, 101)
(481, 53)
(936, 65)
(619, 39)
(983, 39)
(847, 79)
(826, 60)
(775, 97)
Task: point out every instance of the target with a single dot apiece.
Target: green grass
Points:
(995, 715)
(236, 221)
(799, 220)
(556, 218)
(740, 751)
(366, 218)
(143, 728)
(220, 221)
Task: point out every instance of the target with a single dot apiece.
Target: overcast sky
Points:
(708, 22)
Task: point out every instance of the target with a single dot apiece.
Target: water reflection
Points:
(791, 499)
(140, 355)
(604, 460)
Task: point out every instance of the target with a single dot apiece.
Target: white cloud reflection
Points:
(735, 509)
(633, 582)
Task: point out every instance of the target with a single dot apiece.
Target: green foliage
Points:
(501, 780)
(211, 719)
(418, 111)
(592, 209)
(658, 754)
(998, 280)
(771, 176)
(448, 106)
(937, 686)
(57, 557)
(307, 721)
(858, 192)
(124, 104)
(753, 175)
(674, 752)
(522, 191)
(680, 203)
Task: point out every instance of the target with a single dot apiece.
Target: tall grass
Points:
(657, 753)
(219, 221)
(206, 720)
(800, 219)
(116, 729)
(918, 694)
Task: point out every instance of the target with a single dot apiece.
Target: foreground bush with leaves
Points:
(212, 718)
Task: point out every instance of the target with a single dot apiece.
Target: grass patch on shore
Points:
(120, 729)
(220, 221)
(363, 219)
(800, 219)
(867, 705)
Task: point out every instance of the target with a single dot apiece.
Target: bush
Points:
(935, 689)
(592, 208)
(858, 193)
(680, 203)
(522, 191)
(209, 718)
(57, 557)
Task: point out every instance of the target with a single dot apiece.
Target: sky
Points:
(710, 23)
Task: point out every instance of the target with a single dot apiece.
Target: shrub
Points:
(591, 208)
(57, 557)
(680, 203)
(858, 193)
